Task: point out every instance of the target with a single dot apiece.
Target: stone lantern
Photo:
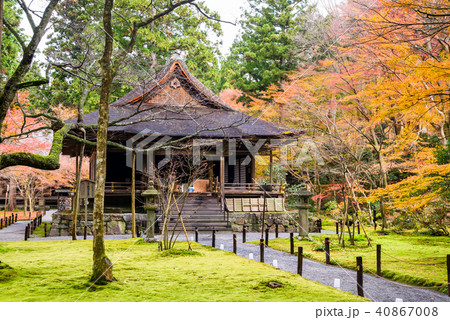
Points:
(303, 205)
(151, 204)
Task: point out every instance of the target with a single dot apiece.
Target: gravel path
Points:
(375, 288)
(14, 232)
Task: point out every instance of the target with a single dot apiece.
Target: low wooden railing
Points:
(249, 187)
(123, 187)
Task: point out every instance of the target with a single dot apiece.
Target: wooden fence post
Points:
(85, 233)
(213, 244)
(267, 236)
(300, 261)
(291, 240)
(276, 230)
(45, 230)
(359, 276)
(327, 251)
(359, 230)
(138, 231)
(1, 224)
(234, 244)
(379, 259)
(448, 274)
(196, 234)
(244, 234)
(16, 217)
(26, 233)
(261, 250)
(337, 227)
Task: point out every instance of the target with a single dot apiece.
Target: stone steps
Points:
(203, 212)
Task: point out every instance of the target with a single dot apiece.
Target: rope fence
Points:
(407, 285)
(413, 263)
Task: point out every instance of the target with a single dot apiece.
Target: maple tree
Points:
(32, 182)
(376, 104)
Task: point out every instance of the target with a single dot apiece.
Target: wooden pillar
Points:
(271, 167)
(222, 173)
(93, 166)
(211, 175)
(149, 166)
(253, 164)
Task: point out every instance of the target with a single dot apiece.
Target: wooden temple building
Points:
(174, 104)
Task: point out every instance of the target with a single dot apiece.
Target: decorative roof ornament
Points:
(175, 83)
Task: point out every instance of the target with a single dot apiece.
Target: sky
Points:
(229, 10)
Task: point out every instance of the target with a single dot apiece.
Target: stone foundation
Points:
(114, 223)
(287, 222)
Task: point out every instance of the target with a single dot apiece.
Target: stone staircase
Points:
(201, 211)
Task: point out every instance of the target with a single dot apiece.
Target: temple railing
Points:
(253, 188)
(123, 187)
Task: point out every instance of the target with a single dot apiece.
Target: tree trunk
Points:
(76, 207)
(102, 266)
(82, 102)
(25, 203)
(12, 199)
(1, 35)
(133, 196)
(12, 85)
(383, 214)
(384, 181)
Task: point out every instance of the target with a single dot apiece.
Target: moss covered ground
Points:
(59, 271)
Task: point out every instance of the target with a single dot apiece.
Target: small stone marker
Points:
(398, 300)
(222, 247)
(275, 263)
(337, 283)
(273, 284)
(250, 256)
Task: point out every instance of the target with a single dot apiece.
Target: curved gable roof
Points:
(157, 107)
(157, 83)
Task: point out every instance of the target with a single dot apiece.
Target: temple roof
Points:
(175, 103)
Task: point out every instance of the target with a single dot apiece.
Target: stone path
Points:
(14, 232)
(375, 289)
